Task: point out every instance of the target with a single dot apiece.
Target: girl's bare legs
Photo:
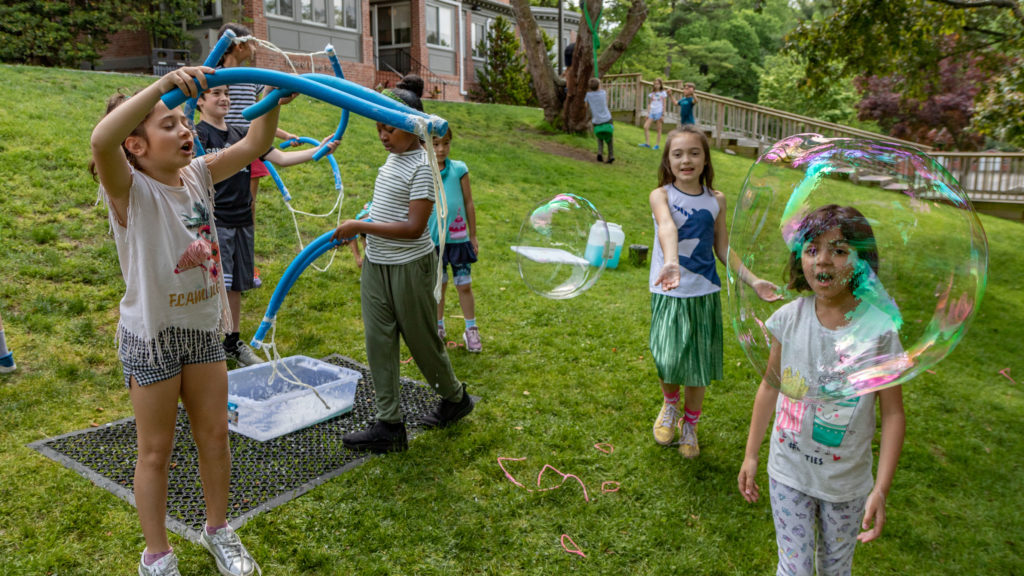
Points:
(466, 300)
(355, 252)
(235, 304)
(204, 392)
(647, 132)
(156, 410)
(693, 398)
(658, 142)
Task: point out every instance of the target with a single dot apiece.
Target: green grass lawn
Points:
(555, 377)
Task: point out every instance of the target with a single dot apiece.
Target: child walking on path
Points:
(174, 310)
(655, 109)
(461, 247)
(687, 104)
(233, 211)
(6, 356)
(686, 307)
(601, 117)
(819, 463)
(396, 288)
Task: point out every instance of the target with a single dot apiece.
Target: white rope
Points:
(286, 55)
(423, 131)
(274, 358)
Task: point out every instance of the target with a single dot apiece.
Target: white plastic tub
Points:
(263, 405)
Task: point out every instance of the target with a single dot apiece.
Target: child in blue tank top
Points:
(686, 308)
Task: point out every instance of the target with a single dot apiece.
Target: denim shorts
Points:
(155, 361)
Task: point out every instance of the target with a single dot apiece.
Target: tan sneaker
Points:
(688, 446)
(665, 425)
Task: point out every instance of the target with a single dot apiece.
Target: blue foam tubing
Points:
(310, 253)
(215, 55)
(277, 180)
(333, 162)
(385, 115)
(343, 123)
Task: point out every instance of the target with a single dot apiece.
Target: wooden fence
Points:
(988, 177)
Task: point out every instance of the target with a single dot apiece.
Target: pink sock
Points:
(148, 559)
(691, 417)
(211, 530)
(672, 398)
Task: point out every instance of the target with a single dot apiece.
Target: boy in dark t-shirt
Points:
(233, 210)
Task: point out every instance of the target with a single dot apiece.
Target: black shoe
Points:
(448, 413)
(610, 160)
(379, 438)
(600, 158)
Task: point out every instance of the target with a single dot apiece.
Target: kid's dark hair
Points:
(112, 103)
(594, 84)
(449, 134)
(404, 96)
(413, 83)
(239, 30)
(707, 176)
(855, 230)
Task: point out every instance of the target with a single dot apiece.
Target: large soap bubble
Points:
(562, 247)
(932, 254)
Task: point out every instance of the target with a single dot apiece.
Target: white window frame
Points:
(339, 6)
(277, 13)
(434, 13)
(379, 8)
(483, 39)
(312, 8)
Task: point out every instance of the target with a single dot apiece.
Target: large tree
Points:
(570, 114)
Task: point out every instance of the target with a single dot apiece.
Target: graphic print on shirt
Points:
(696, 243)
(832, 418)
(458, 230)
(203, 249)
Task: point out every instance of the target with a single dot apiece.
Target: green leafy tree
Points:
(56, 32)
(783, 86)
(999, 110)
(166, 21)
(504, 79)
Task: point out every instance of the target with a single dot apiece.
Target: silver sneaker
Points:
(244, 355)
(472, 339)
(166, 566)
(229, 552)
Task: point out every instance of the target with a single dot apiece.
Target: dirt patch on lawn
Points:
(565, 151)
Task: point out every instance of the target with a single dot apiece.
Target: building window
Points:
(279, 8)
(346, 14)
(479, 39)
(209, 9)
(394, 26)
(439, 26)
(314, 11)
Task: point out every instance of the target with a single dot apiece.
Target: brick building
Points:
(377, 41)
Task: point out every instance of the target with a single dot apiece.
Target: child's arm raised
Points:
(760, 417)
(257, 141)
(668, 237)
(894, 427)
(285, 159)
(765, 290)
(112, 168)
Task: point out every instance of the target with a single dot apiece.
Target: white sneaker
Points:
(229, 552)
(7, 364)
(166, 566)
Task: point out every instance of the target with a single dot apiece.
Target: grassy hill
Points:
(556, 377)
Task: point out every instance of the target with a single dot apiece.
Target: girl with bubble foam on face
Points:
(819, 463)
(686, 306)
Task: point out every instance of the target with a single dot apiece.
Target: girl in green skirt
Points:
(686, 309)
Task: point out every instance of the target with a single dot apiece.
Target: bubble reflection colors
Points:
(932, 253)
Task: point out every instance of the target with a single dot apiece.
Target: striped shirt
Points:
(242, 96)
(402, 179)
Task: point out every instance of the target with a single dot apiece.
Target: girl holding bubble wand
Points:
(686, 306)
(396, 289)
(819, 464)
(174, 311)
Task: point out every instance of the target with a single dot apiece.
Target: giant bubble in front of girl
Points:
(562, 247)
(932, 255)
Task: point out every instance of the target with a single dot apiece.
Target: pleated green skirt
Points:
(686, 338)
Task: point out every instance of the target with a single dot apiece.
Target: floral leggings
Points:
(807, 527)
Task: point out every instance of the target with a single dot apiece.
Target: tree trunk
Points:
(571, 114)
(542, 74)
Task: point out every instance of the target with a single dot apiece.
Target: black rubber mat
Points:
(263, 474)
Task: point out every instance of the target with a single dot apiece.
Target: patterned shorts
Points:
(163, 358)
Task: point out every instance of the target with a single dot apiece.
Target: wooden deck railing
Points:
(986, 176)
